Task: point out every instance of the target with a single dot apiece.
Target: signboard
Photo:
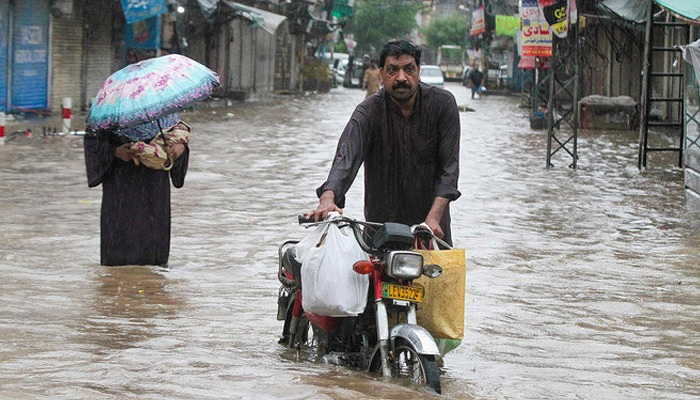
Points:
(30, 55)
(138, 10)
(559, 14)
(4, 34)
(535, 34)
(142, 39)
(143, 34)
(554, 12)
(506, 25)
(478, 21)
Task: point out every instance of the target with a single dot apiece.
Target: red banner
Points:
(478, 21)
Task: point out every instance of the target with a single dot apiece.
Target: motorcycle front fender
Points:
(415, 335)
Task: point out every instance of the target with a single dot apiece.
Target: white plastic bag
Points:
(330, 286)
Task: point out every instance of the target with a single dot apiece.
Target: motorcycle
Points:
(385, 338)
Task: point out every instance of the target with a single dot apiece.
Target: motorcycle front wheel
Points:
(419, 369)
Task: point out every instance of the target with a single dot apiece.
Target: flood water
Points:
(581, 284)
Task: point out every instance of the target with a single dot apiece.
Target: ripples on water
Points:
(580, 284)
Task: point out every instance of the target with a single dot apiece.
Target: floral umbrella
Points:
(144, 92)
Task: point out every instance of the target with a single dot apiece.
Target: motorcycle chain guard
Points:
(393, 236)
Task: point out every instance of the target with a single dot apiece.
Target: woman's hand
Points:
(175, 151)
(125, 153)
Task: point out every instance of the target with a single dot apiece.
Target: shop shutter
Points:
(264, 53)
(234, 59)
(100, 18)
(66, 58)
(247, 56)
(4, 34)
(30, 54)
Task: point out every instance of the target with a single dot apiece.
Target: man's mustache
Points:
(401, 85)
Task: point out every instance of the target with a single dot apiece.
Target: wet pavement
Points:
(581, 284)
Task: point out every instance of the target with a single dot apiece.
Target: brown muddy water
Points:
(581, 284)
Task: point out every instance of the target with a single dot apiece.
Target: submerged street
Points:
(581, 284)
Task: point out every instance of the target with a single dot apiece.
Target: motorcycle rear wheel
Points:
(302, 335)
(305, 336)
(419, 369)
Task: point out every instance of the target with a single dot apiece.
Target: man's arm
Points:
(435, 215)
(445, 187)
(349, 155)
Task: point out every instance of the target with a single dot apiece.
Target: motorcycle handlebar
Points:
(354, 224)
(303, 219)
(420, 231)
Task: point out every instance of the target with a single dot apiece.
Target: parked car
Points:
(341, 69)
(431, 74)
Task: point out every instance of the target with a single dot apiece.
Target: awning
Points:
(268, 21)
(635, 10)
(208, 7)
(630, 10)
(688, 9)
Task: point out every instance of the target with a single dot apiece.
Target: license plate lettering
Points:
(400, 292)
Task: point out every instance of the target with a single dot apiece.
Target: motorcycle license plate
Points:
(400, 292)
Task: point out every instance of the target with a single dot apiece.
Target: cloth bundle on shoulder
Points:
(330, 286)
(442, 309)
(153, 154)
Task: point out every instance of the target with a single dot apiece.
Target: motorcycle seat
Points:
(291, 264)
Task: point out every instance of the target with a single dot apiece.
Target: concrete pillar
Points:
(2, 128)
(65, 111)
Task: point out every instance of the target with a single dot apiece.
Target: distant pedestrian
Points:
(475, 76)
(372, 79)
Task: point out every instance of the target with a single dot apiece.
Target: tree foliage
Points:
(377, 21)
(449, 30)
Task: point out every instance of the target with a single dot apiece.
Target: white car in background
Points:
(432, 75)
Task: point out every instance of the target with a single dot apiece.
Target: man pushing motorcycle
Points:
(407, 135)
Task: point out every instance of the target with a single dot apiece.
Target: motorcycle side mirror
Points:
(432, 270)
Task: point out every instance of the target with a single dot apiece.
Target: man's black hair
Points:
(396, 48)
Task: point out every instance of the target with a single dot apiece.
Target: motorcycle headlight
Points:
(405, 264)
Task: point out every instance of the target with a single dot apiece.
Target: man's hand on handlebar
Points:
(435, 226)
(326, 204)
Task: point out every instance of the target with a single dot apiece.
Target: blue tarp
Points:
(138, 10)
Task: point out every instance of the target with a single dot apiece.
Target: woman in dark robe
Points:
(135, 215)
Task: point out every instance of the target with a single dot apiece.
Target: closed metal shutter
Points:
(30, 54)
(264, 71)
(99, 18)
(241, 59)
(283, 55)
(247, 57)
(66, 58)
(234, 59)
(4, 34)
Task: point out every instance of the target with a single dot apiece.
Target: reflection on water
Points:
(129, 304)
(580, 283)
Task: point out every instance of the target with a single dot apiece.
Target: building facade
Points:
(56, 49)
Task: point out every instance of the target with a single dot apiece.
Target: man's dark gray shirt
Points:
(408, 161)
